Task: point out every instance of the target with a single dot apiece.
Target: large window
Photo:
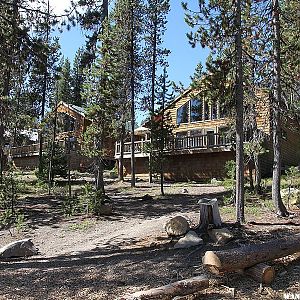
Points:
(196, 110)
(214, 111)
(182, 114)
(206, 111)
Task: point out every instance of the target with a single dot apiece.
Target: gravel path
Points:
(85, 258)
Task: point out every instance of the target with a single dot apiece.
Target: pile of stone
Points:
(179, 227)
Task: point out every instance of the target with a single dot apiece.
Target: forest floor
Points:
(104, 258)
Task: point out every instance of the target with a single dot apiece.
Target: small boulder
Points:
(220, 236)
(147, 197)
(21, 248)
(105, 209)
(191, 239)
(177, 226)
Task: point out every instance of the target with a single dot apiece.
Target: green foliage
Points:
(230, 168)
(91, 200)
(83, 226)
(59, 163)
(292, 174)
(9, 215)
(71, 205)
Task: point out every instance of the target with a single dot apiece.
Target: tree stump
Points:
(209, 214)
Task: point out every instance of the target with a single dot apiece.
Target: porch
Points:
(212, 142)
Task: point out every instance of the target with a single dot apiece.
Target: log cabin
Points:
(201, 145)
(71, 125)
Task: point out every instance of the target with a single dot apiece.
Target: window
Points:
(222, 111)
(195, 110)
(206, 111)
(182, 114)
(214, 111)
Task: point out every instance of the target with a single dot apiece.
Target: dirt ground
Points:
(107, 257)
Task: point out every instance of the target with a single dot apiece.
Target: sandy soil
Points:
(105, 258)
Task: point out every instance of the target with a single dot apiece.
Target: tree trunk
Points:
(44, 93)
(256, 160)
(250, 255)
(121, 158)
(276, 126)
(239, 98)
(168, 292)
(132, 87)
(50, 171)
(261, 273)
(251, 176)
(99, 180)
(153, 83)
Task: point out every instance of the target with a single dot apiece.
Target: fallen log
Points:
(247, 256)
(261, 272)
(179, 288)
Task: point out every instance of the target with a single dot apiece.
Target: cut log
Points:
(209, 214)
(179, 288)
(250, 255)
(261, 273)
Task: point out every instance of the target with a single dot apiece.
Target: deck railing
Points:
(33, 149)
(179, 143)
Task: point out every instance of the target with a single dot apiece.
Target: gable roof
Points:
(176, 99)
(75, 108)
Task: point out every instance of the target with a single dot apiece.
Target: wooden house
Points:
(71, 125)
(201, 146)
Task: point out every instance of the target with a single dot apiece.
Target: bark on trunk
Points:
(44, 94)
(276, 126)
(121, 158)
(132, 87)
(50, 171)
(250, 255)
(256, 160)
(239, 98)
(261, 273)
(168, 292)
(209, 214)
(153, 80)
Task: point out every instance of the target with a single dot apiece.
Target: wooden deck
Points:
(180, 145)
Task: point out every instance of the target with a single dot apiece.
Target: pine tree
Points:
(64, 83)
(77, 78)
(161, 128)
(218, 26)
(155, 53)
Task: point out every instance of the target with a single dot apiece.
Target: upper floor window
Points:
(206, 111)
(214, 111)
(182, 113)
(196, 110)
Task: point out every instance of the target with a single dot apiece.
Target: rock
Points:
(105, 209)
(21, 248)
(177, 226)
(147, 197)
(214, 181)
(294, 197)
(220, 236)
(185, 191)
(191, 239)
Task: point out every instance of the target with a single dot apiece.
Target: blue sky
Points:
(183, 58)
